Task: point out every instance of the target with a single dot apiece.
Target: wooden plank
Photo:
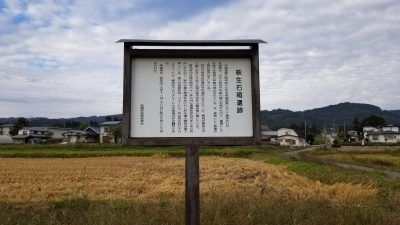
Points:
(203, 141)
(192, 184)
(255, 79)
(191, 53)
(126, 109)
(143, 42)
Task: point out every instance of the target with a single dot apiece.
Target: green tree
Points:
(20, 123)
(72, 124)
(115, 132)
(310, 139)
(374, 121)
(83, 125)
(108, 118)
(357, 125)
(93, 123)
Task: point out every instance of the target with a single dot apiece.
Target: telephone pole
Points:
(305, 133)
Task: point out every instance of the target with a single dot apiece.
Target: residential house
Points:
(95, 131)
(32, 135)
(288, 136)
(5, 129)
(89, 135)
(390, 128)
(353, 136)
(35, 135)
(367, 130)
(387, 134)
(57, 134)
(108, 131)
(269, 136)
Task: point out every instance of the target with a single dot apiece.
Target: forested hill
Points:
(326, 116)
(338, 114)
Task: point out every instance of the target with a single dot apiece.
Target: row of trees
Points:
(373, 121)
(312, 130)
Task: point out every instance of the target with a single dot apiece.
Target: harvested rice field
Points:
(260, 190)
(147, 178)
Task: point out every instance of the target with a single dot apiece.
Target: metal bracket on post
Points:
(192, 190)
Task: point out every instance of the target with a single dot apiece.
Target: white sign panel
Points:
(191, 97)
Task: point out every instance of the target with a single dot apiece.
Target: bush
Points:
(336, 144)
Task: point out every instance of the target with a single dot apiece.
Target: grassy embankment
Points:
(99, 150)
(380, 159)
(149, 190)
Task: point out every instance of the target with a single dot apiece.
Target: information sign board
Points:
(191, 96)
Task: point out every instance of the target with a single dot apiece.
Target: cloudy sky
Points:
(58, 58)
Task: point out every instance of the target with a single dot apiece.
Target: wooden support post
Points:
(192, 190)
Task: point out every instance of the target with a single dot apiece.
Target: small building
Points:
(5, 129)
(36, 135)
(269, 136)
(384, 137)
(287, 136)
(390, 128)
(93, 130)
(6, 139)
(367, 130)
(89, 135)
(57, 134)
(109, 132)
(353, 136)
(32, 135)
(386, 134)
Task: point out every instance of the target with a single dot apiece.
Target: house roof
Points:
(75, 132)
(288, 135)
(19, 136)
(383, 132)
(7, 125)
(110, 123)
(269, 133)
(35, 128)
(94, 129)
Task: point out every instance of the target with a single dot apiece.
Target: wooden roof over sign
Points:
(236, 42)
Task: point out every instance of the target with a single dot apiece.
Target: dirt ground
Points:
(146, 178)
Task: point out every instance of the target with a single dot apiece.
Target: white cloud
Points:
(319, 53)
(63, 61)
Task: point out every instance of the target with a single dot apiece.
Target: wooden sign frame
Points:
(235, 50)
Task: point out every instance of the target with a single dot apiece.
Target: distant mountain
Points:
(274, 119)
(395, 112)
(326, 116)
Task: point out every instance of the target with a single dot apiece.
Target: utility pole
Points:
(334, 129)
(305, 133)
(344, 131)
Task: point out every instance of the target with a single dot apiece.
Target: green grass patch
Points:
(386, 160)
(99, 150)
(330, 174)
(217, 208)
